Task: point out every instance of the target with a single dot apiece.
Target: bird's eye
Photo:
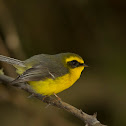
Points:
(73, 63)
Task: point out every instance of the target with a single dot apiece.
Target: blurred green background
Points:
(94, 29)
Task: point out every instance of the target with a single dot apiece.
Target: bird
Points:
(48, 74)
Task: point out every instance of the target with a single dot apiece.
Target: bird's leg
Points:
(45, 96)
(32, 95)
(58, 98)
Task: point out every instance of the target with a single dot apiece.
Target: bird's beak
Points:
(85, 65)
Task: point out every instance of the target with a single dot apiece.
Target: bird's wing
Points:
(35, 73)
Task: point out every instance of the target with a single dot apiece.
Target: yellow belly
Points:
(50, 86)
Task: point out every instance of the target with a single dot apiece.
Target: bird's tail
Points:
(12, 61)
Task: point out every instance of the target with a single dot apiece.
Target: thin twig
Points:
(89, 120)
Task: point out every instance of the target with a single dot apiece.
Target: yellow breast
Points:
(51, 86)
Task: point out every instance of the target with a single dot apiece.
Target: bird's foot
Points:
(58, 98)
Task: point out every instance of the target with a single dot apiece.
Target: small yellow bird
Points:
(48, 74)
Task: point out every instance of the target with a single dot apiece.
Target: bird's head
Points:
(74, 63)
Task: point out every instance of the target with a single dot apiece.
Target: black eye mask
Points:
(74, 64)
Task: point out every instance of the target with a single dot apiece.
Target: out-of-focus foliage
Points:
(95, 30)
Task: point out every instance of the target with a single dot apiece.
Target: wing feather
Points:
(45, 68)
(35, 73)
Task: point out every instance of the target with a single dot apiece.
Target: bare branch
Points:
(89, 120)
